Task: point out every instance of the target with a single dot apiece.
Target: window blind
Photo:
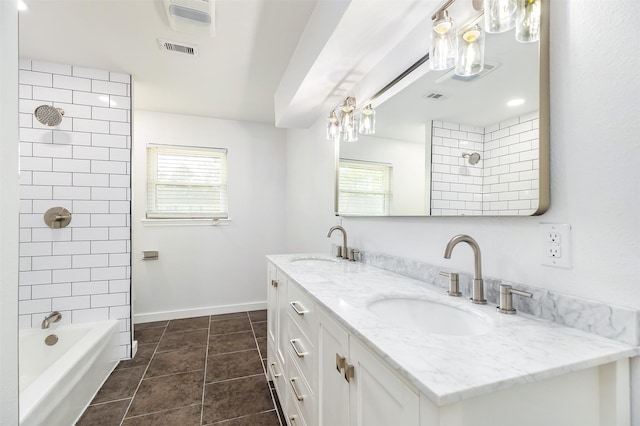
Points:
(364, 187)
(186, 183)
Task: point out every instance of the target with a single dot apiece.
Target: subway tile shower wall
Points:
(83, 165)
(503, 182)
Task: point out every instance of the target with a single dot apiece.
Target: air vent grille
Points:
(176, 47)
(435, 96)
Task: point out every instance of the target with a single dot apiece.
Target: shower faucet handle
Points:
(454, 283)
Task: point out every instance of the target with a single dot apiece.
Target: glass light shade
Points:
(367, 120)
(443, 50)
(470, 52)
(350, 133)
(528, 21)
(333, 126)
(499, 15)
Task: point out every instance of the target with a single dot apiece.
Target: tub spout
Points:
(52, 317)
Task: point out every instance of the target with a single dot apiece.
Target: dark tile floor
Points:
(194, 371)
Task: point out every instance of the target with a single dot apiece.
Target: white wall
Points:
(595, 179)
(8, 213)
(205, 269)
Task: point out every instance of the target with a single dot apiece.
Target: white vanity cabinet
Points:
(355, 388)
(276, 329)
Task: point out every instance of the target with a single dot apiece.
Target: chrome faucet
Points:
(478, 285)
(345, 251)
(52, 317)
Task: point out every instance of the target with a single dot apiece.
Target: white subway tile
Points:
(71, 192)
(116, 128)
(529, 155)
(90, 260)
(93, 99)
(81, 220)
(113, 167)
(521, 128)
(71, 275)
(24, 64)
(119, 286)
(119, 207)
(120, 259)
(48, 234)
(451, 126)
(110, 273)
(110, 114)
(71, 303)
(120, 312)
(64, 125)
(26, 206)
(122, 102)
(71, 165)
(90, 234)
(108, 220)
(120, 77)
(24, 322)
(507, 196)
(108, 193)
(111, 141)
(90, 179)
(109, 87)
(90, 73)
(91, 206)
(120, 233)
(71, 247)
(24, 292)
(50, 262)
(71, 138)
(529, 175)
(24, 264)
(73, 83)
(34, 306)
(74, 111)
(90, 287)
(36, 135)
(509, 159)
(521, 166)
(45, 291)
(116, 154)
(30, 192)
(51, 178)
(25, 235)
(519, 204)
(103, 300)
(90, 315)
(509, 123)
(51, 67)
(108, 246)
(532, 135)
(92, 126)
(51, 94)
(520, 185)
(26, 150)
(90, 153)
(529, 117)
(509, 177)
(34, 277)
(124, 338)
(35, 78)
(35, 249)
(51, 150)
(25, 120)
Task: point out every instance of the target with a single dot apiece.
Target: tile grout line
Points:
(143, 373)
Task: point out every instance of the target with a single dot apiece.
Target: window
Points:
(186, 183)
(364, 188)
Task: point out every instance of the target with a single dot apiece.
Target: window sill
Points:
(185, 222)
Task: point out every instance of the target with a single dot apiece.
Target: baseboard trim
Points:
(197, 312)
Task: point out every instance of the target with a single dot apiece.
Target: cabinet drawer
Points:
(302, 352)
(301, 395)
(302, 310)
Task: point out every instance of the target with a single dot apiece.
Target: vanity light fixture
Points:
(528, 20)
(443, 49)
(367, 120)
(333, 126)
(499, 15)
(470, 60)
(348, 125)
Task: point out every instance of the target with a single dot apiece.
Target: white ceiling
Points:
(234, 77)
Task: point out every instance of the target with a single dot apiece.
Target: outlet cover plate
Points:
(555, 240)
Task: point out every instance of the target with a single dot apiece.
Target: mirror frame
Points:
(544, 184)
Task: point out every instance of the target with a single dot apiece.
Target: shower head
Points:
(49, 115)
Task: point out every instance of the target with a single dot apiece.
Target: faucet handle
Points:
(506, 298)
(454, 283)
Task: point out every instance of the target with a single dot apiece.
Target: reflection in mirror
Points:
(454, 145)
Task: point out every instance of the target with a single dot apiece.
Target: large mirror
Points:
(446, 145)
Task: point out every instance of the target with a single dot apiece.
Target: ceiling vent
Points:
(435, 96)
(451, 79)
(177, 47)
(195, 17)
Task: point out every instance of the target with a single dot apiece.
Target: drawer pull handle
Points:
(295, 390)
(274, 283)
(340, 362)
(292, 419)
(349, 372)
(299, 311)
(294, 345)
(272, 367)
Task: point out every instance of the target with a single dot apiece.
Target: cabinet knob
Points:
(274, 283)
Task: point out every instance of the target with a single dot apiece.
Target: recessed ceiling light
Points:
(22, 5)
(515, 102)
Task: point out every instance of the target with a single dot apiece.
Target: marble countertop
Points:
(518, 349)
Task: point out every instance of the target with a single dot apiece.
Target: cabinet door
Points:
(378, 396)
(272, 306)
(281, 321)
(333, 388)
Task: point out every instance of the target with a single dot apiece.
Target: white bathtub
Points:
(58, 382)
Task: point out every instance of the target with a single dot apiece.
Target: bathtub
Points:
(58, 382)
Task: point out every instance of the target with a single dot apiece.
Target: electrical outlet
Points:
(556, 244)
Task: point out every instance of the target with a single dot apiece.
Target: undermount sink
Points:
(428, 317)
(314, 260)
